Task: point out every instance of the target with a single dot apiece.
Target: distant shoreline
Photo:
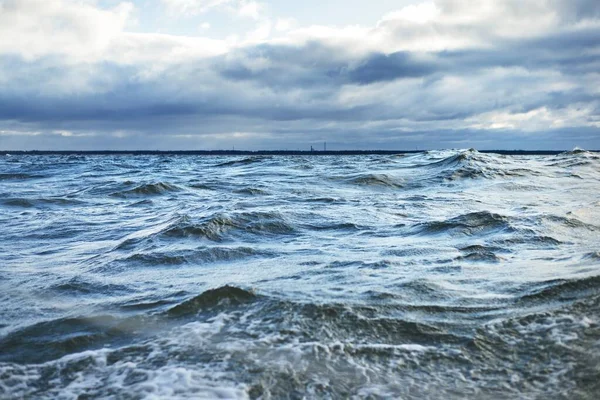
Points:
(262, 152)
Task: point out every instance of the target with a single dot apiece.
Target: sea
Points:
(451, 274)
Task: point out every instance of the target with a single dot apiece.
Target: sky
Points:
(269, 75)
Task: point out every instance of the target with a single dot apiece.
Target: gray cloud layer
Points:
(503, 90)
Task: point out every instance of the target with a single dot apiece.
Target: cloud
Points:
(285, 24)
(194, 7)
(250, 9)
(419, 14)
(429, 75)
(243, 8)
(76, 30)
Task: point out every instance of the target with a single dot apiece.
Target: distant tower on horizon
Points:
(324, 146)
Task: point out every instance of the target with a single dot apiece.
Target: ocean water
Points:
(445, 274)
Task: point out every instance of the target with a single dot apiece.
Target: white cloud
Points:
(260, 33)
(159, 50)
(194, 7)
(78, 30)
(455, 24)
(83, 32)
(243, 8)
(420, 14)
(536, 120)
(250, 9)
(285, 24)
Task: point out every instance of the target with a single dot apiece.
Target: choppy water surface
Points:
(449, 274)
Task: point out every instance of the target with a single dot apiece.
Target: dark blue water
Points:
(449, 274)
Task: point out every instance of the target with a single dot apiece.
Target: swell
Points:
(576, 158)
(17, 176)
(217, 227)
(81, 287)
(276, 346)
(49, 340)
(317, 321)
(470, 164)
(569, 222)
(252, 191)
(203, 255)
(43, 202)
(563, 290)
(476, 223)
(334, 226)
(148, 189)
(242, 162)
(375, 180)
(223, 297)
(53, 339)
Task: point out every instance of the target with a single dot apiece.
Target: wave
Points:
(381, 180)
(481, 257)
(202, 186)
(563, 290)
(324, 200)
(78, 286)
(481, 253)
(368, 323)
(570, 222)
(577, 152)
(243, 161)
(335, 226)
(203, 254)
(141, 203)
(471, 164)
(41, 202)
(330, 320)
(223, 297)
(19, 176)
(53, 339)
(576, 158)
(218, 226)
(476, 223)
(595, 255)
(251, 191)
(272, 346)
(50, 340)
(148, 189)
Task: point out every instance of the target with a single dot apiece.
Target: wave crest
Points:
(148, 189)
(481, 222)
(225, 296)
(216, 227)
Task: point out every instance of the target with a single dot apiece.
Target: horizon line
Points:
(271, 152)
